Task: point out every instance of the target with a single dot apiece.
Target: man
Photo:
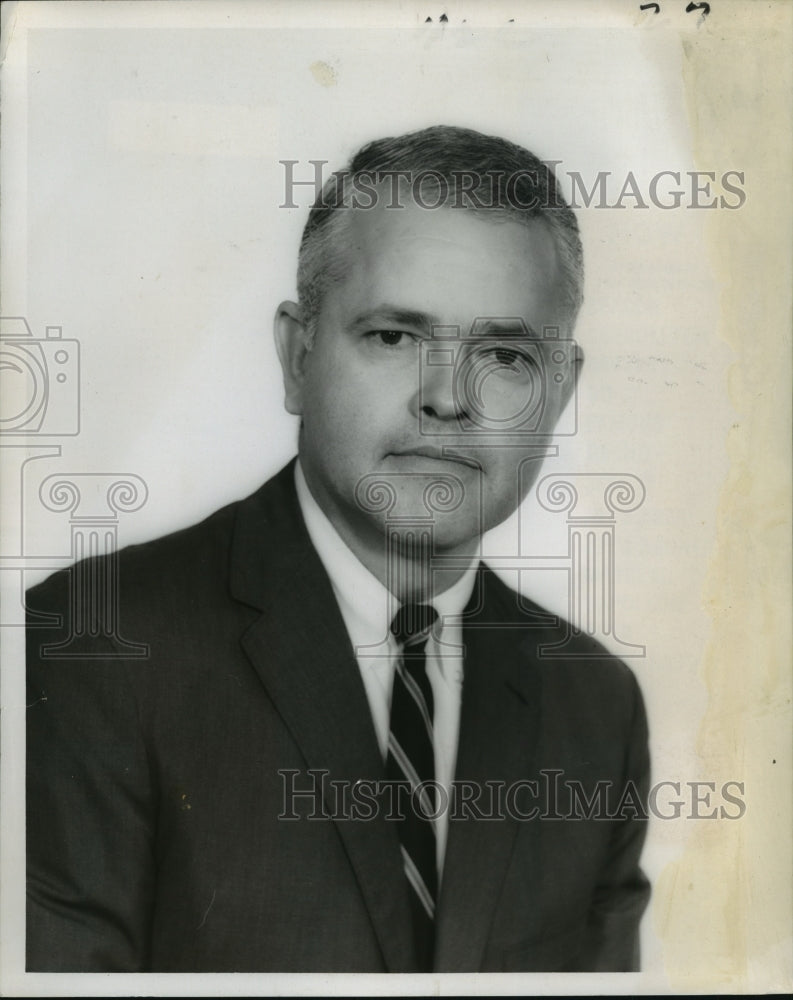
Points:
(346, 749)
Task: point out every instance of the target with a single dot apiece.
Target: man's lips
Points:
(447, 454)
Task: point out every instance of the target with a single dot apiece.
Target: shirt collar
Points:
(365, 604)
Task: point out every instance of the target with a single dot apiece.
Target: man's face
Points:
(373, 408)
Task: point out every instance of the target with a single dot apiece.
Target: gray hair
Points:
(458, 168)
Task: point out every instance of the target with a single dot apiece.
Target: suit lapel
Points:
(498, 734)
(300, 649)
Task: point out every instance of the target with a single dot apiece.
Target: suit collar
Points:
(268, 529)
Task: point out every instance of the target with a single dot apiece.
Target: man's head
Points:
(435, 275)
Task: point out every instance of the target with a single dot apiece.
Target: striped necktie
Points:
(411, 758)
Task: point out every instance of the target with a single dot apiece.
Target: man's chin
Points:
(420, 489)
(424, 511)
(440, 533)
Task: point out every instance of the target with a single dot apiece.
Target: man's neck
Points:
(415, 573)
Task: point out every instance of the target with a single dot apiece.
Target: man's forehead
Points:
(451, 261)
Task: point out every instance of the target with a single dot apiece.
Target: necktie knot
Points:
(412, 623)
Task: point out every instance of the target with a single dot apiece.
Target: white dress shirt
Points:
(368, 608)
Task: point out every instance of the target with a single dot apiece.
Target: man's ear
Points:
(293, 345)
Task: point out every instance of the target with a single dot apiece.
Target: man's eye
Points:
(511, 359)
(509, 363)
(507, 357)
(389, 338)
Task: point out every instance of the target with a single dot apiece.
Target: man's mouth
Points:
(445, 454)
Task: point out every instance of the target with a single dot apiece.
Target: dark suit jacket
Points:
(154, 793)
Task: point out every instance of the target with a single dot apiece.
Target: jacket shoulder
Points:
(563, 655)
(178, 554)
(186, 560)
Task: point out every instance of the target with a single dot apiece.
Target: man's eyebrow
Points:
(386, 313)
(506, 327)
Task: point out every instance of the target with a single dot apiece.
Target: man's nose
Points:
(439, 395)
